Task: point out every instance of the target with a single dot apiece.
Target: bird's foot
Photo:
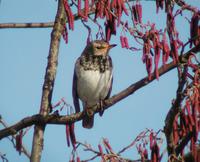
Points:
(89, 112)
(101, 107)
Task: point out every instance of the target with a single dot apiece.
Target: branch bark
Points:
(27, 25)
(38, 24)
(68, 119)
(174, 110)
(38, 138)
(24, 150)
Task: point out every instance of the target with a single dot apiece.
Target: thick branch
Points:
(38, 138)
(168, 129)
(57, 119)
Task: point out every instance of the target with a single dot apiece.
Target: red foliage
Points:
(19, 141)
(107, 144)
(70, 135)
(124, 42)
(78, 159)
(137, 12)
(156, 44)
(152, 40)
(159, 4)
(175, 130)
(101, 152)
(194, 30)
(110, 27)
(86, 9)
(155, 150)
(67, 135)
(70, 16)
(165, 49)
(65, 34)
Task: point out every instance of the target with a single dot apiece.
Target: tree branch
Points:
(24, 150)
(27, 25)
(51, 69)
(39, 24)
(68, 119)
(168, 128)
(173, 150)
(186, 6)
(184, 142)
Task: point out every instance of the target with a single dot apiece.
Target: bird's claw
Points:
(89, 112)
(101, 107)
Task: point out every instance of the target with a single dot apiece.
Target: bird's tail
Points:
(88, 120)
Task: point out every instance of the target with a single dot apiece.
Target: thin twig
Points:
(24, 150)
(3, 157)
(142, 134)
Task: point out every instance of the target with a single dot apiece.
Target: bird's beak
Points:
(111, 46)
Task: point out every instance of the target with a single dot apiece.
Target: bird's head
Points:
(99, 47)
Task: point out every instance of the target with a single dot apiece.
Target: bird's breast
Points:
(92, 85)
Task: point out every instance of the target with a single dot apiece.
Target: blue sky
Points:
(22, 65)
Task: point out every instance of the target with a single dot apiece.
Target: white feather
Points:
(92, 86)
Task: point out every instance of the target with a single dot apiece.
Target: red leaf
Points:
(149, 66)
(151, 139)
(145, 153)
(175, 130)
(106, 143)
(122, 41)
(101, 152)
(114, 3)
(174, 50)
(139, 12)
(86, 9)
(78, 159)
(67, 134)
(166, 50)
(159, 4)
(155, 153)
(108, 33)
(70, 16)
(79, 8)
(194, 28)
(188, 108)
(110, 27)
(92, 3)
(126, 42)
(123, 7)
(72, 134)
(19, 142)
(135, 14)
(157, 54)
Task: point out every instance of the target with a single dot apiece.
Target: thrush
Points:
(93, 77)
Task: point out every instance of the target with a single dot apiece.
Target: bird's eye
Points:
(98, 47)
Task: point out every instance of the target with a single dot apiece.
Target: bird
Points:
(93, 79)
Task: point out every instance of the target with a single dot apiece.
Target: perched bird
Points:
(92, 82)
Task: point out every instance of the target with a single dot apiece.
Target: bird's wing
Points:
(75, 94)
(110, 88)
